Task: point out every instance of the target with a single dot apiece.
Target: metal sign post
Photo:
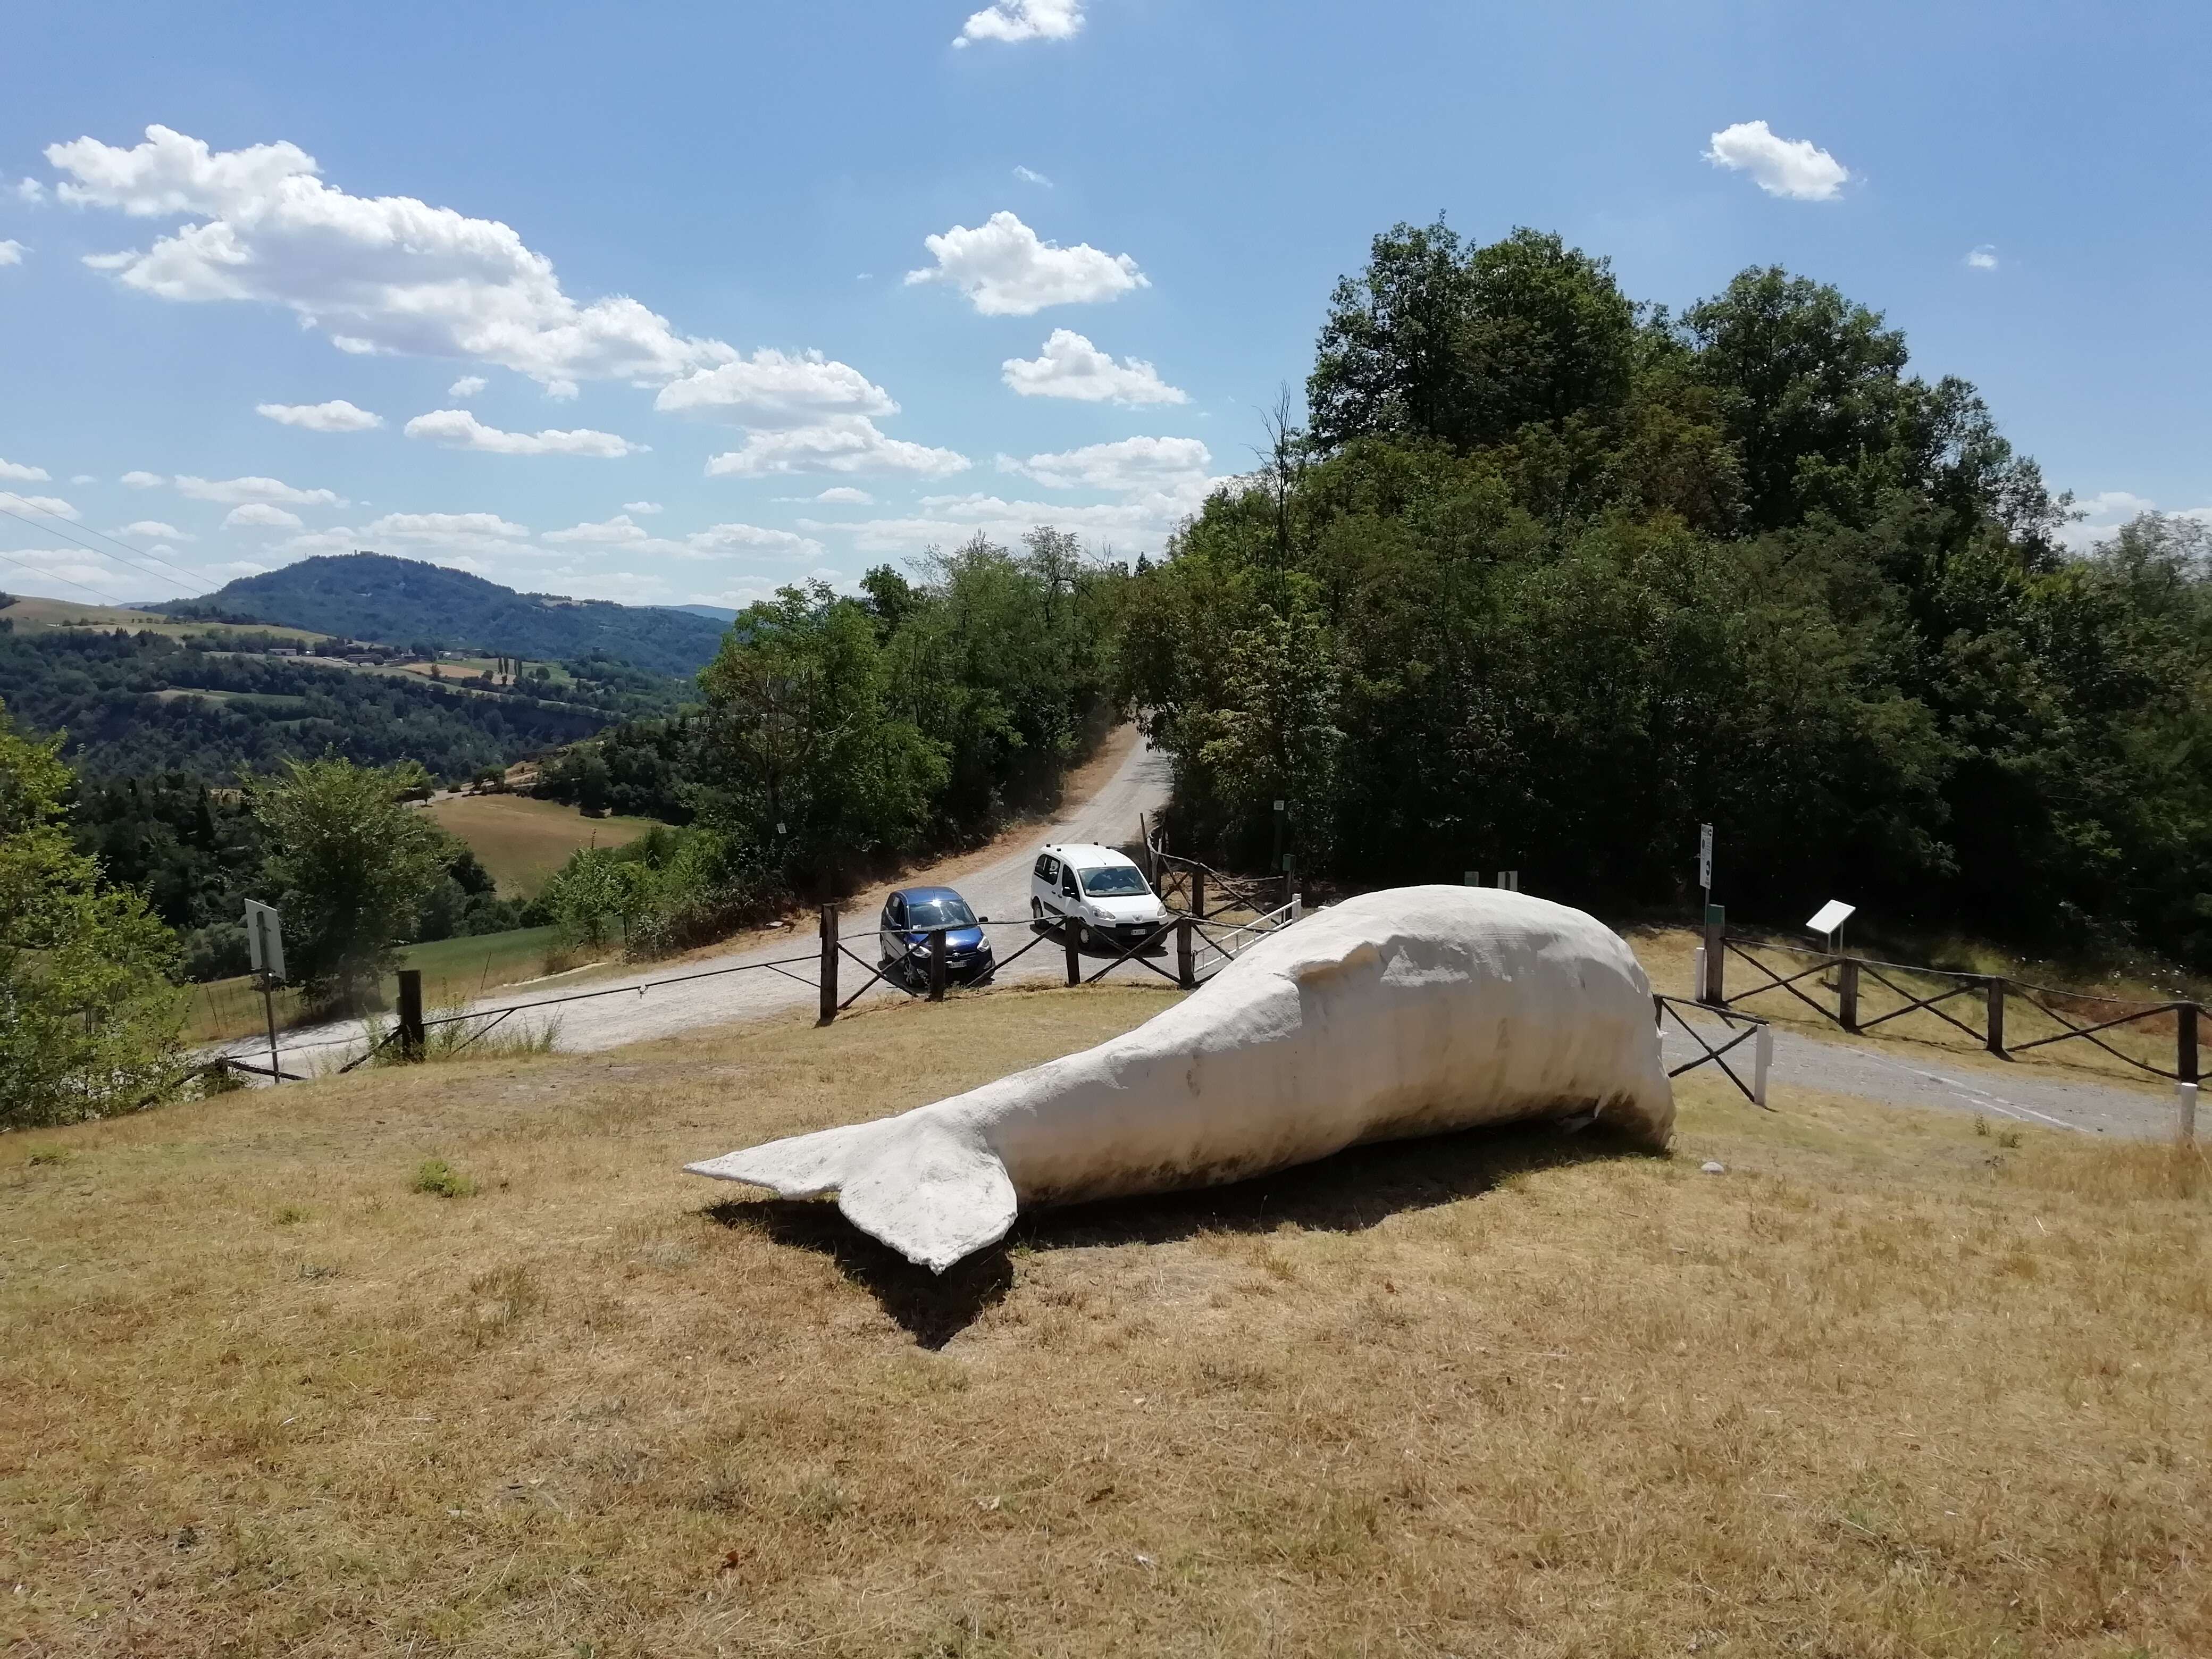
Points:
(264, 949)
(1706, 860)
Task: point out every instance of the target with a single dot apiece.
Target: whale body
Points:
(1403, 1012)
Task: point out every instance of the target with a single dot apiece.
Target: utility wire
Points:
(106, 599)
(51, 530)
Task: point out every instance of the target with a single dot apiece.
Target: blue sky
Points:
(627, 289)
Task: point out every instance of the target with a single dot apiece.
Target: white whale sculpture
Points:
(1402, 1013)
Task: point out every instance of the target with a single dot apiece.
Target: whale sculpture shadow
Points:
(1347, 1192)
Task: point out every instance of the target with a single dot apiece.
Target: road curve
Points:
(997, 885)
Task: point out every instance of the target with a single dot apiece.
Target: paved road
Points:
(997, 885)
(2019, 1093)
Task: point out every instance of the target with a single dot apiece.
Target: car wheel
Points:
(1037, 912)
(1084, 937)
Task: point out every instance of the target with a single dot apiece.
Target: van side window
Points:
(1067, 882)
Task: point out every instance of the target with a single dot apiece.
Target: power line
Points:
(51, 530)
(107, 600)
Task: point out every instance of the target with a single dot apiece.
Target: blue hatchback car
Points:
(911, 915)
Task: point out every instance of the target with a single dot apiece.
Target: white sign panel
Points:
(264, 940)
(1831, 916)
(1706, 856)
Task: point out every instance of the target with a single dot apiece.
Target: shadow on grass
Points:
(1356, 1189)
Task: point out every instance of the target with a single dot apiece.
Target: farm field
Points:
(522, 841)
(1892, 1384)
(27, 612)
(453, 970)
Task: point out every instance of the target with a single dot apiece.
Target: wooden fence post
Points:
(1074, 951)
(411, 1035)
(1713, 992)
(937, 964)
(1996, 996)
(1847, 995)
(1197, 892)
(2184, 1041)
(829, 974)
(1186, 967)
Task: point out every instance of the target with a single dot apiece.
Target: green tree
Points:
(353, 867)
(1469, 345)
(89, 1017)
(799, 751)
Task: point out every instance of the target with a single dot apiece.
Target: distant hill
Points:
(371, 596)
(139, 704)
(719, 613)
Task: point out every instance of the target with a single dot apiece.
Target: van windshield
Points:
(1114, 881)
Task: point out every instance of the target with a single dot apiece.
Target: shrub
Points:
(436, 1176)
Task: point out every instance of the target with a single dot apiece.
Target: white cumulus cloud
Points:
(1023, 20)
(52, 506)
(16, 473)
(846, 495)
(234, 491)
(1130, 464)
(776, 391)
(608, 532)
(851, 443)
(143, 481)
(336, 415)
(456, 428)
(260, 515)
(1007, 270)
(714, 541)
(467, 386)
(1141, 522)
(11, 253)
(386, 274)
(1795, 167)
(155, 530)
(30, 191)
(1983, 257)
(1071, 367)
(641, 507)
(1031, 176)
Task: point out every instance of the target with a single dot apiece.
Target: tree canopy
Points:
(90, 1019)
(1553, 577)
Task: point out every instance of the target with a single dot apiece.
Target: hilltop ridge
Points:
(375, 596)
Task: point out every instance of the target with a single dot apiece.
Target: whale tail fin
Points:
(931, 1193)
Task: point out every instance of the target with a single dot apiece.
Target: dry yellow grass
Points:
(1889, 1387)
(521, 841)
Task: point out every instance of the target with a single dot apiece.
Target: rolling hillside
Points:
(371, 596)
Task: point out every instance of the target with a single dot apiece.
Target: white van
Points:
(1099, 892)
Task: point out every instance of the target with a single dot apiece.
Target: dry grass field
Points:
(455, 971)
(522, 841)
(35, 613)
(1892, 1385)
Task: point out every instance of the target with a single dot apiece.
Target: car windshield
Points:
(1114, 881)
(951, 911)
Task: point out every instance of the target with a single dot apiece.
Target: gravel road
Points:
(1843, 1067)
(996, 883)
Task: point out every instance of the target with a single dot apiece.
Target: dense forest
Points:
(373, 596)
(126, 704)
(1552, 576)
